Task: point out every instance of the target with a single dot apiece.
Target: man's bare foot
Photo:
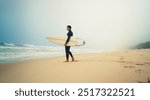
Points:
(66, 61)
(75, 61)
(72, 58)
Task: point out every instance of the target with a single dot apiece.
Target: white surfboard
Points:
(60, 40)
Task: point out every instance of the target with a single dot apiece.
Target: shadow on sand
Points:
(148, 81)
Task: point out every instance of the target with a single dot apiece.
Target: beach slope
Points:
(129, 66)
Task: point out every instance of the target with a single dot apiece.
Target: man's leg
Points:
(67, 53)
(71, 54)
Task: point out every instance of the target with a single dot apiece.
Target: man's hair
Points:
(69, 26)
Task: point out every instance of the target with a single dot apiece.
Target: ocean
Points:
(13, 53)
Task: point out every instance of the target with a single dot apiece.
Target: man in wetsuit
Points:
(67, 48)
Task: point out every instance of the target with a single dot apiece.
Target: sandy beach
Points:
(128, 66)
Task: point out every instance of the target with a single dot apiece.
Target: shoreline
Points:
(48, 57)
(129, 66)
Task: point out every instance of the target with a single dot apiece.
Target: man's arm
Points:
(68, 39)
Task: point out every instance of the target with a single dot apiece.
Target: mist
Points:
(103, 24)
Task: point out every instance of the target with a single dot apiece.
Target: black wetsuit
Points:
(67, 48)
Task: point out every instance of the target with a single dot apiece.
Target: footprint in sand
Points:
(129, 66)
(139, 71)
(140, 64)
(121, 58)
(121, 61)
(148, 81)
(127, 62)
(147, 63)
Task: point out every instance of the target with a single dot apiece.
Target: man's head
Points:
(69, 28)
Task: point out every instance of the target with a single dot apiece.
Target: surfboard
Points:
(60, 40)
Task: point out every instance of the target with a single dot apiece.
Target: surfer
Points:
(67, 48)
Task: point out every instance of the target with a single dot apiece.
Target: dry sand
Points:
(127, 66)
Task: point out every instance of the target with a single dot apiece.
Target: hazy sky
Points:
(104, 24)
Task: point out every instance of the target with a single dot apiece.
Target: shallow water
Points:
(13, 53)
